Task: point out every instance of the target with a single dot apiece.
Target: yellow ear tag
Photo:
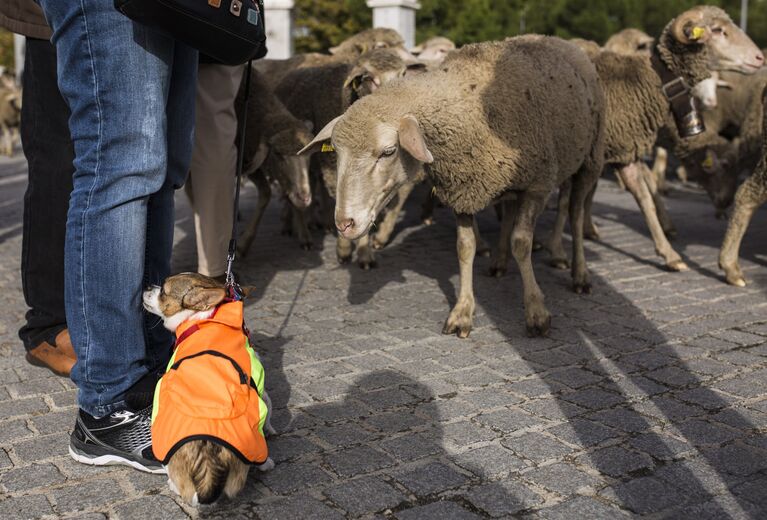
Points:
(698, 32)
(709, 161)
(327, 147)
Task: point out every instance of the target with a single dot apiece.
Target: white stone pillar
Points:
(19, 44)
(279, 28)
(398, 15)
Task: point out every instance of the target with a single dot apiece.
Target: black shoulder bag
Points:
(230, 31)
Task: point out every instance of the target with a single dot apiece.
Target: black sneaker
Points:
(122, 437)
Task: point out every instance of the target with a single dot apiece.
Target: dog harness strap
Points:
(188, 332)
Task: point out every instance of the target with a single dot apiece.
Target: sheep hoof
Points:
(559, 263)
(307, 246)
(582, 287)
(367, 265)
(670, 233)
(539, 326)
(483, 251)
(344, 259)
(591, 234)
(461, 329)
(428, 221)
(537, 246)
(497, 272)
(678, 266)
(736, 279)
(377, 244)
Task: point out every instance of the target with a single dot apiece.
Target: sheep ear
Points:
(415, 67)
(411, 139)
(325, 134)
(334, 50)
(355, 76)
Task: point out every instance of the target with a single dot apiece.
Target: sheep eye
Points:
(718, 30)
(388, 152)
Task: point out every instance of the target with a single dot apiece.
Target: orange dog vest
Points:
(212, 389)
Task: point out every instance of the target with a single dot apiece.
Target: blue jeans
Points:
(131, 93)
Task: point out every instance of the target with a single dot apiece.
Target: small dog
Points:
(210, 413)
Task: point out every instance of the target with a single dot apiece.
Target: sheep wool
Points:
(497, 116)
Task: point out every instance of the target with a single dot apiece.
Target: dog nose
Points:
(344, 224)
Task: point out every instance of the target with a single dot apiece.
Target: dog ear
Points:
(201, 299)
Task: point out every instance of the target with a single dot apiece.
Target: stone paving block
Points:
(701, 432)
(365, 495)
(394, 422)
(508, 420)
(31, 477)
(34, 387)
(737, 459)
(292, 476)
(5, 461)
(298, 507)
(432, 478)
(153, 506)
(593, 398)
(12, 431)
(87, 495)
(536, 447)
(576, 377)
(358, 460)
(55, 422)
(285, 447)
(27, 506)
(562, 478)
(646, 495)
(19, 407)
(437, 511)
(582, 507)
(673, 376)
(413, 446)
(661, 446)
(705, 397)
(741, 338)
(43, 447)
(488, 398)
(623, 419)
(490, 462)
(553, 409)
(582, 433)
(464, 433)
(616, 461)
(344, 434)
(503, 498)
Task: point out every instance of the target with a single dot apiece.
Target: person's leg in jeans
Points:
(211, 175)
(117, 78)
(49, 152)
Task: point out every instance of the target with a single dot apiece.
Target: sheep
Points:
(434, 50)
(590, 47)
(630, 41)
(699, 39)
(10, 114)
(751, 194)
(319, 94)
(347, 52)
(497, 121)
(272, 139)
(732, 141)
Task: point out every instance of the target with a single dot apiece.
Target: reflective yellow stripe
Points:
(262, 412)
(256, 368)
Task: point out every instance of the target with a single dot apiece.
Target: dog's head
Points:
(182, 296)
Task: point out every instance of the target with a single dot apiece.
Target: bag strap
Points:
(232, 287)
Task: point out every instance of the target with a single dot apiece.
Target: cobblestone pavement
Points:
(649, 397)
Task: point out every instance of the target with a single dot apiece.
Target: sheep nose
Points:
(760, 58)
(344, 224)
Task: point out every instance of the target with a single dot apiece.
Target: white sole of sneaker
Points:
(112, 460)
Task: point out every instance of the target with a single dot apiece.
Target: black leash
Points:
(232, 286)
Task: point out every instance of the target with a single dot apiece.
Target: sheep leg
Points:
(7, 146)
(386, 228)
(427, 210)
(582, 184)
(461, 317)
(483, 248)
(501, 260)
(554, 243)
(301, 227)
(343, 250)
(537, 317)
(633, 179)
(590, 230)
(659, 167)
(365, 258)
(751, 194)
(660, 205)
(264, 194)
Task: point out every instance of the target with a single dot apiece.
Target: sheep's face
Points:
(370, 39)
(375, 158)
(712, 168)
(729, 48)
(705, 91)
(290, 170)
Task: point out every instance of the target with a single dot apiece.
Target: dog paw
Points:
(266, 466)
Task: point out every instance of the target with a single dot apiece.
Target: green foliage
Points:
(323, 23)
(6, 49)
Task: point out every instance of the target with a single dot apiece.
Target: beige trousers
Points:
(211, 182)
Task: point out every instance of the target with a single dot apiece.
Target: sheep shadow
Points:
(645, 405)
